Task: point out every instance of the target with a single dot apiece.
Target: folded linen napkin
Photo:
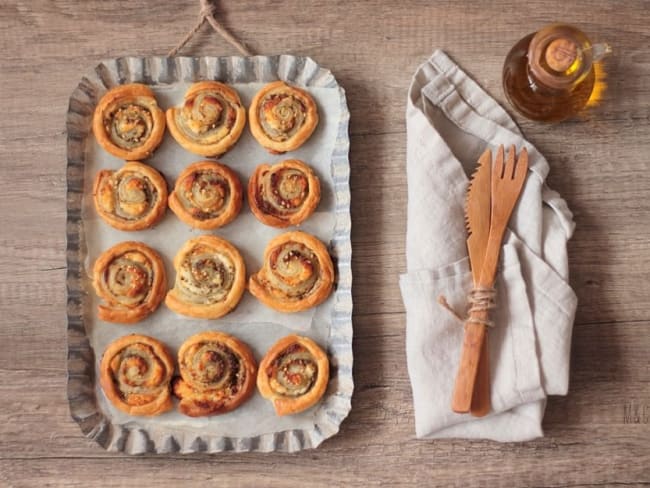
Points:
(450, 122)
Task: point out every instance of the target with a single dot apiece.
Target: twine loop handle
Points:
(208, 12)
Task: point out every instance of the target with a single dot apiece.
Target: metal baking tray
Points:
(137, 436)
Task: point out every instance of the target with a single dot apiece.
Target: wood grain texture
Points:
(598, 435)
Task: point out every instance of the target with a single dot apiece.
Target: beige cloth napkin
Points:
(450, 122)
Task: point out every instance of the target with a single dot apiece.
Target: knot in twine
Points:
(208, 12)
(207, 8)
(480, 300)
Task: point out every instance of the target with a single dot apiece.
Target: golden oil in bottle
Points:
(548, 75)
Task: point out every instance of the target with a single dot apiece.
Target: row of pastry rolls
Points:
(128, 122)
(297, 273)
(218, 373)
(207, 195)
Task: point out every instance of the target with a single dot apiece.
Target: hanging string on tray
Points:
(208, 12)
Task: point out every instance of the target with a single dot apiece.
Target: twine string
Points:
(480, 300)
(208, 12)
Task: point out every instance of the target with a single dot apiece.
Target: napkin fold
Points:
(450, 122)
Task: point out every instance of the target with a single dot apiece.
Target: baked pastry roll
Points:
(131, 198)
(210, 121)
(128, 122)
(293, 374)
(282, 117)
(130, 278)
(210, 278)
(284, 194)
(217, 374)
(207, 195)
(135, 373)
(297, 273)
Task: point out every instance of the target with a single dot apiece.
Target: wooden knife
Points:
(477, 218)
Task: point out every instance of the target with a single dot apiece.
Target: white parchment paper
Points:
(251, 321)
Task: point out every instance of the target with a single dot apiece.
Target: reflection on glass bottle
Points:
(549, 75)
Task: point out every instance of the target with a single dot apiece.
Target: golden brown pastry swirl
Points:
(282, 117)
(284, 194)
(131, 198)
(135, 374)
(130, 277)
(207, 195)
(210, 121)
(128, 122)
(297, 273)
(217, 374)
(293, 374)
(210, 278)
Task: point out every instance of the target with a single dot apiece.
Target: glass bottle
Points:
(549, 75)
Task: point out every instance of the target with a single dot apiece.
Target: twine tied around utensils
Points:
(208, 12)
(480, 299)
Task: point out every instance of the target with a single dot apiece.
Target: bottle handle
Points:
(599, 51)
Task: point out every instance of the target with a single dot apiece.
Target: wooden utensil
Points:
(506, 183)
(477, 217)
(481, 397)
(481, 402)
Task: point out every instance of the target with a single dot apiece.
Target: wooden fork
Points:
(506, 184)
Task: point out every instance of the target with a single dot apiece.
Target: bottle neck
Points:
(559, 57)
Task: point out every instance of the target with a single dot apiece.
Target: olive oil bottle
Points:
(549, 75)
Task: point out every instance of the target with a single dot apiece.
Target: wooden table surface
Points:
(597, 435)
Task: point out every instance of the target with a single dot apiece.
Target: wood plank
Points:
(314, 471)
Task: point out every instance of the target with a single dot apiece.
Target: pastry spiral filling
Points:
(135, 196)
(129, 123)
(293, 373)
(139, 374)
(205, 194)
(284, 194)
(281, 116)
(131, 195)
(135, 373)
(210, 121)
(283, 191)
(210, 278)
(205, 276)
(130, 277)
(213, 366)
(208, 117)
(297, 273)
(294, 270)
(217, 374)
(132, 198)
